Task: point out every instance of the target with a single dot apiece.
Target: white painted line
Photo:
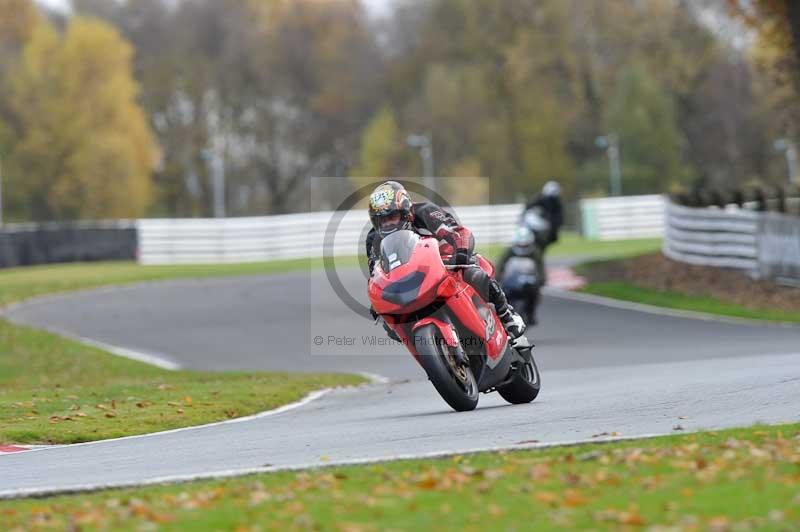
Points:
(659, 311)
(172, 479)
(157, 360)
(374, 377)
(160, 361)
(313, 396)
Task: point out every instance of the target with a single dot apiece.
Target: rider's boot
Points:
(513, 322)
(489, 289)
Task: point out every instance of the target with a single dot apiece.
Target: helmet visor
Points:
(390, 223)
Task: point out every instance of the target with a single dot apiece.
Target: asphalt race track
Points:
(604, 370)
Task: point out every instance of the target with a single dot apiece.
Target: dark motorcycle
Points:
(523, 274)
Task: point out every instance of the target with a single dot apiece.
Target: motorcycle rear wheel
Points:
(455, 383)
(524, 385)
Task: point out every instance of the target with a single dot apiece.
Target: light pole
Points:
(610, 143)
(425, 146)
(790, 149)
(218, 180)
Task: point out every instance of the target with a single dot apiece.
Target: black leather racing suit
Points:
(431, 220)
(553, 211)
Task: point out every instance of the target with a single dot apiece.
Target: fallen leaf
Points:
(428, 483)
(719, 524)
(540, 472)
(546, 497)
(631, 519)
(573, 498)
(110, 414)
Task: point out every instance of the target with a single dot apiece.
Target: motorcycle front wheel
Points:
(454, 382)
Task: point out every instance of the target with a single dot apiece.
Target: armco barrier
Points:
(31, 244)
(779, 248)
(763, 244)
(177, 241)
(713, 237)
(623, 217)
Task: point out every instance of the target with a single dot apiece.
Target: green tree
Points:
(84, 148)
(380, 145)
(642, 114)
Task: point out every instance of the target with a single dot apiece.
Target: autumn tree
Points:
(18, 19)
(643, 116)
(82, 146)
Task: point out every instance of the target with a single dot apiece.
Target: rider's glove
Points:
(379, 319)
(461, 257)
(393, 335)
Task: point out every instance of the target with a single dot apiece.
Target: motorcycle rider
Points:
(549, 201)
(548, 206)
(391, 209)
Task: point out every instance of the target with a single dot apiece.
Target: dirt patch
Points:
(657, 272)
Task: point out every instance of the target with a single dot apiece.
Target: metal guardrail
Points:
(712, 237)
(54, 242)
(623, 217)
(291, 236)
(779, 248)
(763, 244)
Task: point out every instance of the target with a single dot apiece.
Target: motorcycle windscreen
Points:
(397, 249)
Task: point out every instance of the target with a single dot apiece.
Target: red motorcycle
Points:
(452, 332)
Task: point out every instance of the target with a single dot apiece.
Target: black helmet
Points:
(390, 208)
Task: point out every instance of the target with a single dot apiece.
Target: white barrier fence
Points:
(763, 244)
(624, 217)
(713, 237)
(305, 235)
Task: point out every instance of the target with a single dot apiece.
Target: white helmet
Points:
(551, 189)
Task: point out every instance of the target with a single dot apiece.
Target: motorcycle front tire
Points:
(457, 386)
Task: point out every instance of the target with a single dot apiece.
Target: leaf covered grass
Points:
(744, 479)
(676, 300)
(54, 390)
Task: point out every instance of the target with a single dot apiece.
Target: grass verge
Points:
(728, 480)
(54, 390)
(652, 279)
(680, 301)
